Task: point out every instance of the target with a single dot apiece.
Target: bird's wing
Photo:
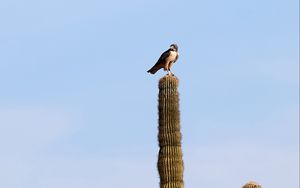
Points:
(160, 62)
(162, 57)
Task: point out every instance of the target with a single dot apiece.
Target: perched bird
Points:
(166, 60)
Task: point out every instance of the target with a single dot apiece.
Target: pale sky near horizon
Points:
(77, 108)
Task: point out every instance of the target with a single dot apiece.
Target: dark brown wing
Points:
(160, 62)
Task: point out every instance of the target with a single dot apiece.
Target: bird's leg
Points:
(169, 68)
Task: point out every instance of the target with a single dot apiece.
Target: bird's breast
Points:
(172, 56)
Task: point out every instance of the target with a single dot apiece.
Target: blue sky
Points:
(77, 108)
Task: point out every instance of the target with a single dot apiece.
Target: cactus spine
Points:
(170, 163)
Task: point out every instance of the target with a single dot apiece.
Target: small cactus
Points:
(170, 163)
(252, 184)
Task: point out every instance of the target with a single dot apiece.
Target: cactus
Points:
(170, 163)
(252, 184)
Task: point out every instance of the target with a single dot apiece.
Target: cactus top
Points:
(252, 184)
(168, 81)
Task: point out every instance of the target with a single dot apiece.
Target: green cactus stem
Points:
(170, 163)
(252, 184)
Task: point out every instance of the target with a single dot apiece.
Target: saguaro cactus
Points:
(170, 163)
(252, 184)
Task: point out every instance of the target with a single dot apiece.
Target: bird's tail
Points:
(153, 70)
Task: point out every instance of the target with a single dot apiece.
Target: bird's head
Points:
(174, 47)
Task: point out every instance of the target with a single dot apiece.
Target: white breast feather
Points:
(172, 56)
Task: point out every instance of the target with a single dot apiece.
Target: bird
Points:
(166, 60)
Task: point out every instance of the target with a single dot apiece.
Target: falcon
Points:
(166, 60)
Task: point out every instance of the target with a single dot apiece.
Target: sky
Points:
(78, 109)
